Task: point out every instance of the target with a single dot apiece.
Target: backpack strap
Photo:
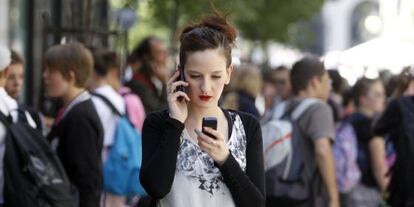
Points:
(6, 120)
(279, 110)
(107, 102)
(303, 106)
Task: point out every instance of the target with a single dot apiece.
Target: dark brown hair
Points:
(70, 57)
(303, 71)
(270, 75)
(211, 33)
(403, 81)
(16, 58)
(338, 83)
(104, 61)
(362, 87)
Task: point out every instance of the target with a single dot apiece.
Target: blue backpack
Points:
(122, 167)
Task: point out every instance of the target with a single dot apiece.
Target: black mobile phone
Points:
(181, 78)
(209, 122)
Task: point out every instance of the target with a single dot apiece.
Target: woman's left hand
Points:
(216, 148)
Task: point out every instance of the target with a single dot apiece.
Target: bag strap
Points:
(279, 110)
(107, 102)
(6, 120)
(303, 106)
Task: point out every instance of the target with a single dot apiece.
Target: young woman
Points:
(77, 134)
(369, 95)
(181, 166)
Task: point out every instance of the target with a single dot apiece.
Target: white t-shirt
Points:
(108, 119)
(197, 181)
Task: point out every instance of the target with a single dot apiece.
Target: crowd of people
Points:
(313, 140)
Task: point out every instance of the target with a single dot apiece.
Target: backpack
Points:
(33, 174)
(285, 173)
(402, 182)
(345, 152)
(122, 167)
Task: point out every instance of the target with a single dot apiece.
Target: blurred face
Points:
(375, 98)
(159, 52)
(206, 73)
(55, 84)
(269, 93)
(283, 84)
(323, 86)
(14, 83)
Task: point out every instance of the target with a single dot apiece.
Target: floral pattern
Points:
(199, 166)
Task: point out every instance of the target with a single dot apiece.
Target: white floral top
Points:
(198, 182)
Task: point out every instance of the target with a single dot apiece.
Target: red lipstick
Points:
(205, 98)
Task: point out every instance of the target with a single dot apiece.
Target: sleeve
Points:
(160, 143)
(83, 159)
(389, 120)
(320, 123)
(247, 188)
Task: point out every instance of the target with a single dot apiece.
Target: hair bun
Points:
(211, 32)
(217, 22)
(220, 23)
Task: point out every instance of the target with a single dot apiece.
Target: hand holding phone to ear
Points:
(177, 106)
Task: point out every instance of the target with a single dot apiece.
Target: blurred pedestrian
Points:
(246, 88)
(7, 106)
(345, 148)
(98, 84)
(276, 89)
(397, 124)
(77, 134)
(14, 87)
(310, 81)
(105, 83)
(339, 86)
(369, 97)
(183, 166)
(149, 80)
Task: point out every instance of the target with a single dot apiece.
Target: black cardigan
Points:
(160, 143)
(79, 148)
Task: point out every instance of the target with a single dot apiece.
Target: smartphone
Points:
(181, 78)
(209, 122)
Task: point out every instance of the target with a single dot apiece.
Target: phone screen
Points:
(209, 122)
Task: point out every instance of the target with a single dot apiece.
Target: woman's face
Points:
(15, 80)
(375, 98)
(55, 84)
(206, 73)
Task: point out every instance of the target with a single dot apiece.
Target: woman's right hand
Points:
(178, 109)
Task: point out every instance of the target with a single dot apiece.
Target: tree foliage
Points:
(258, 20)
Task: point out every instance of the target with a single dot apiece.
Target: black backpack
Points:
(33, 174)
(402, 181)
